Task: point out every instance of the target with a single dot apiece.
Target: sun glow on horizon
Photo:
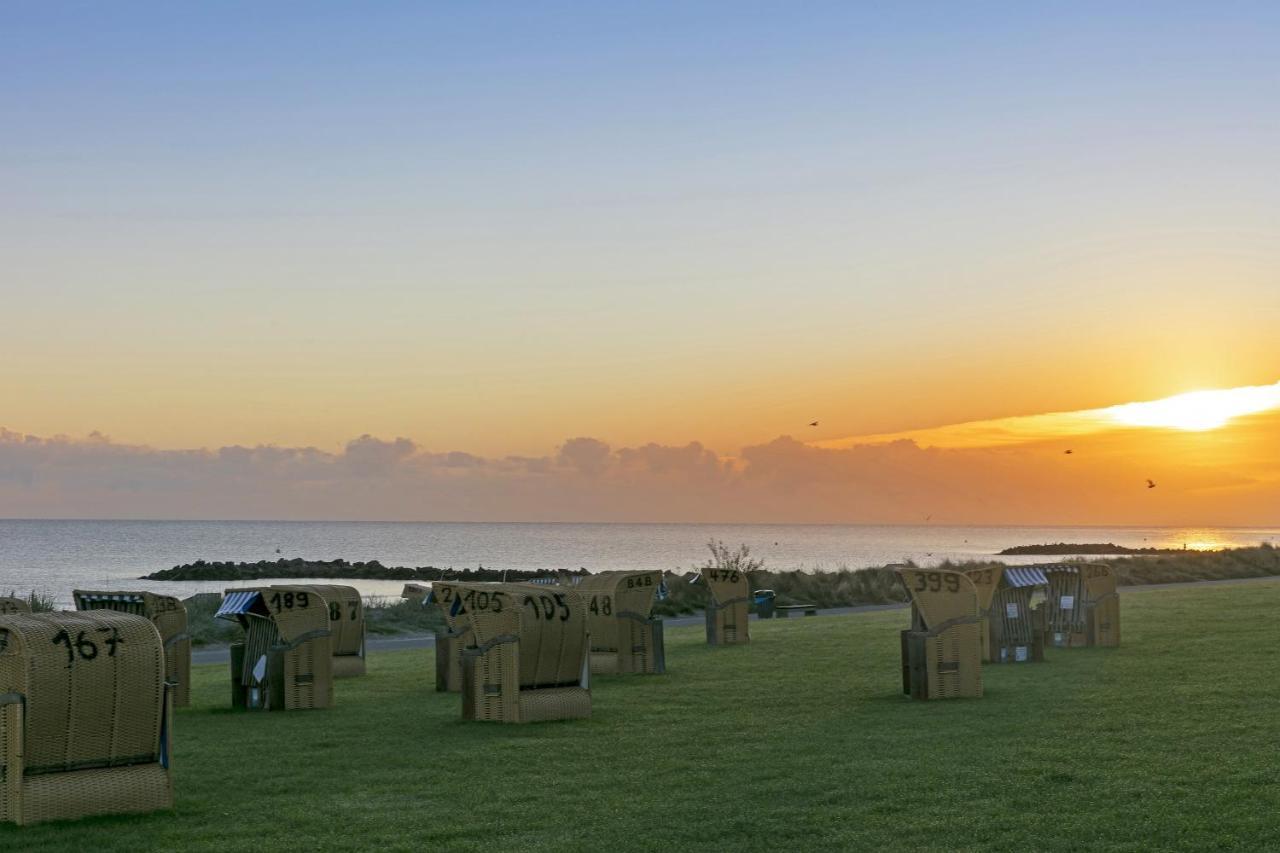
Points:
(1198, 411)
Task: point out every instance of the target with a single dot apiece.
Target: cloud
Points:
(1227, 476)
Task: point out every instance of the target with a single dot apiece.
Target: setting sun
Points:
(1197, 411)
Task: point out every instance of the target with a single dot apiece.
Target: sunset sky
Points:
(608, 261)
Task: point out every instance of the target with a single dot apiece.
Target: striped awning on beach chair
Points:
(1019, 576)
(237, 604)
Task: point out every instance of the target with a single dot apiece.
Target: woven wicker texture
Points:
(84, 716)
(347, 628)
(13, 605)
(1065, 618)
(168, 614)
(285, 662)
(1102, 603)
(729, 592)
(985, 582)
(942, 653)
(527, 639)
(452, 640)
(623, 639)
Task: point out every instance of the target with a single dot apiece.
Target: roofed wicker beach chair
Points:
(528, 659)
(728, 600)
(347, 627)
(624, 637)
(1013, 627)
(285, 662)
(942, 651)
(1102, 605)
(9, 604)
(415, 592)
(1065, 619)
(85, 716)
(168, 614)
(985, 582)
(451, 639)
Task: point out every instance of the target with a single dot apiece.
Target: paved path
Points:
(376, 643)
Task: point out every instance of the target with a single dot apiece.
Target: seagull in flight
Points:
(1068, 452)
(813, 423)
(1151, 484)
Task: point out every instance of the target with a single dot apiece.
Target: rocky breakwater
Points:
(297, 567)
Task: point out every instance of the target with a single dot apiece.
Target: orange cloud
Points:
(1226, 476)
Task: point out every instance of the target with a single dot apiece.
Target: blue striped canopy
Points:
(1025, 576)
(237, 603)
(125, 597)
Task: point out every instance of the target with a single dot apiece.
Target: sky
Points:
(239, 234)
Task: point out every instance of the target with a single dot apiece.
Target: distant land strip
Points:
(297, 567)
(1081, 549)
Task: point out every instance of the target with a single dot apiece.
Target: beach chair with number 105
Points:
(527, 658)
(942, 651)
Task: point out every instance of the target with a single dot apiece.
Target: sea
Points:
(53, 557)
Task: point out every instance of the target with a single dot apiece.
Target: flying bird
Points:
(1151, 484)
(813, 423)
(1068, 452)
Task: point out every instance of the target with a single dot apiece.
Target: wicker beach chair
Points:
(9, 604)
(1102, 605)
(728, 601)
(170, 618)
(528, 659)
(347, 628)
(624, 637)
(985, 582)
(942, 651)
(1065, 618)
(451, 639)
(285, 661)
(1013, 622)
(415, 592)
(85, 716)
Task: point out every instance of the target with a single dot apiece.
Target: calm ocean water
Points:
(56, 556)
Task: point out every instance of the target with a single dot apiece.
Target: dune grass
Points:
(799, 739)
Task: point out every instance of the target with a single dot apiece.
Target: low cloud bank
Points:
(585, 479)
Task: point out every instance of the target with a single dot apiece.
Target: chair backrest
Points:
(548, 622)
(9, 604)
(727, 586)
(167, 613)
(92, 684)
(346, 617)
(611, 596)
(941, 597)
(985, 582)
(1102, 600)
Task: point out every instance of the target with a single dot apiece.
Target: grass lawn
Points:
(801, 739)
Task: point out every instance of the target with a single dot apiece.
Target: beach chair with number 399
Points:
(942, 651)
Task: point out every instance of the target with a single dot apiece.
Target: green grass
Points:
(800, 739)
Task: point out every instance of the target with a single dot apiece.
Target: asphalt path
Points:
(398, 642)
